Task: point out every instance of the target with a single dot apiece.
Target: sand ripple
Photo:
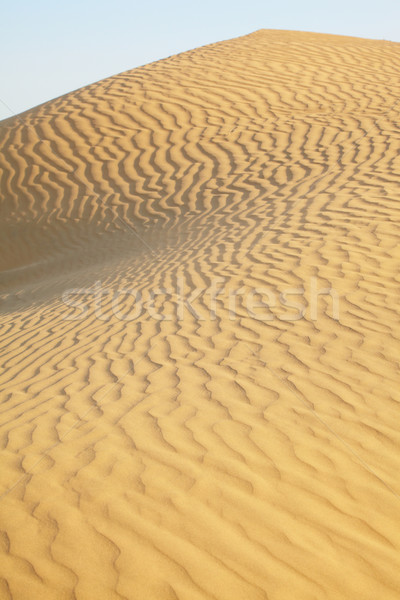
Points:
(205, 456)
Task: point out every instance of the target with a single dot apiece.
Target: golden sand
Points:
(195, 452)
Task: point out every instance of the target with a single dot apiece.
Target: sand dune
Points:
(206, 445)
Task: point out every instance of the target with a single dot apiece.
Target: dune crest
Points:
(200, 329)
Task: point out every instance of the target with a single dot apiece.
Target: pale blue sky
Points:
(49, 48)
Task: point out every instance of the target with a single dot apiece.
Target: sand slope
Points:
(204, 455)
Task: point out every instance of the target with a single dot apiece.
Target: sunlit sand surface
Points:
(195, 452)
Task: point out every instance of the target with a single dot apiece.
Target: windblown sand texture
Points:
(215, 457)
